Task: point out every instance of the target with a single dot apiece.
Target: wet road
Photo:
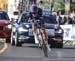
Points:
(35, 54)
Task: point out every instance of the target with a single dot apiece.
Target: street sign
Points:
(68, 36)
(69, 32)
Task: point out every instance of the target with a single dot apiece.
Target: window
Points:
(15, 13)
(24, 18)
(4, 16)
(50, 20)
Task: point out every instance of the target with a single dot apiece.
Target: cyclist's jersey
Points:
(39, 22)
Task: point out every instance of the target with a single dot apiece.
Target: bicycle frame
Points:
(42, 42)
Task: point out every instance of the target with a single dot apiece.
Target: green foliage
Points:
(58, 6)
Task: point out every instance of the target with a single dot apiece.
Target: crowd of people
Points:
(65, 19)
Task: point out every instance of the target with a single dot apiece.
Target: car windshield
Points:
(24, 18)
(50, 19)
(4, 16)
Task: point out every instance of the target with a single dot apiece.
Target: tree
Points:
(58, 5)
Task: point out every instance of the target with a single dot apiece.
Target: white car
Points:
(22, 30)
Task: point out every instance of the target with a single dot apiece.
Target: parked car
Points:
(22, 29)
(5, 26)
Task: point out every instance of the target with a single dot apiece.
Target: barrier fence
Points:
(68, 35)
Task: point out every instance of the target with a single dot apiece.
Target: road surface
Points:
(25, 53)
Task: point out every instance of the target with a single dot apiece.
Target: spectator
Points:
(73, 20)
(62, 20)
(69, 20)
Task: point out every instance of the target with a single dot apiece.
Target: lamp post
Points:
(52, 4)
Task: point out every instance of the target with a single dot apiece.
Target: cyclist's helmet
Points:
(34, 9)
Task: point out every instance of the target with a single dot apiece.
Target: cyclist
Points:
(34, 18)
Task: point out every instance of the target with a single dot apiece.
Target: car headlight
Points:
(27, 26)
(60, 31)
(56, 26)
(22, 29)
(8, 26)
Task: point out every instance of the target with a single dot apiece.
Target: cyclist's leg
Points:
(34, 28)
(45, 37)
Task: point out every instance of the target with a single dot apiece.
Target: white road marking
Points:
(4, 48)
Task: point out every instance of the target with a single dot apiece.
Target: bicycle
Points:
(41, 41)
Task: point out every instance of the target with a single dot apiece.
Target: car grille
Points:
(1, 27)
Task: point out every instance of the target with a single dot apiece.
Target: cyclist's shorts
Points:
(39, 23)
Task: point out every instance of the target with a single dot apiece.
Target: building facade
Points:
(4, 4)
(72, 5)
(12, 6)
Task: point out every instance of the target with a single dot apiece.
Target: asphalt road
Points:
(25, 53)
(1, 45)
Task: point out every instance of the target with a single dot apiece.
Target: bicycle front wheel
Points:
(45, 50)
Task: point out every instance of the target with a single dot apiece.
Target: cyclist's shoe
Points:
(39, 45)
(48, 47)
